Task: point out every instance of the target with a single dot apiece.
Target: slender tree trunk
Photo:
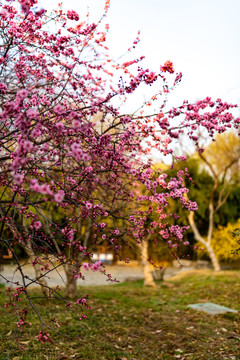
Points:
(40, 279)
(207, 244)
(71, 284)
(213, 258)
(148, 276)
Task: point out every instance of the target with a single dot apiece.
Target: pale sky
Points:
(201, 38)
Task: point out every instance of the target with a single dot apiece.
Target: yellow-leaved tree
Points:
(221, 159)
(224, 243)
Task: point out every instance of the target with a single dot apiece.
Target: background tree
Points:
(221, 159)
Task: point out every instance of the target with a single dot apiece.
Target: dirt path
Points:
(57, 277)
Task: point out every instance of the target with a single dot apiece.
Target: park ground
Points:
(129, 321)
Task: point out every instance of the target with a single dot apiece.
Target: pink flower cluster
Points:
(43, 337)
(78, 153)
(45, 189)
(3, 88)
(94, 267)
(41, 188)
(72, 15)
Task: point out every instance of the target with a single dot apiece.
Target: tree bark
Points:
(148, 276)
(213, 258)
(198, 237)
(71, 284)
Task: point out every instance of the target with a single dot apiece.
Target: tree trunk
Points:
(148, 276)
(39, 278)
(213, 257)
(207, 245)
(77, 257)
(71, 284)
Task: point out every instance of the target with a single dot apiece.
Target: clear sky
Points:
(201, 38)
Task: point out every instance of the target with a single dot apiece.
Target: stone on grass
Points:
(211, 308)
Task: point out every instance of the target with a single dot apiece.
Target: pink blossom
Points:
(60, 128)
(70, 235)
(85, 266)
(58, 109)
(40, 12)
(76, 124)
(22, 94)
(96, 266)
(59, 196)
(154, 184)
(37, 225)
(32, 114)
(85, 157)
(27, 146)
(88, 205)
(18, 178)
(25, 8)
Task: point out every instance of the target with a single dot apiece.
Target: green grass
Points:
(128, 321)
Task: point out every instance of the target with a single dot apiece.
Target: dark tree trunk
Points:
(71, 284)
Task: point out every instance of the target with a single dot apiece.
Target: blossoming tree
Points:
(65, 143)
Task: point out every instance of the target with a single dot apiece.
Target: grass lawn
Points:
(128, 321)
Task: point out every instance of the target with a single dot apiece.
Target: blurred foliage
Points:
(236, 237)
(224, 242)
